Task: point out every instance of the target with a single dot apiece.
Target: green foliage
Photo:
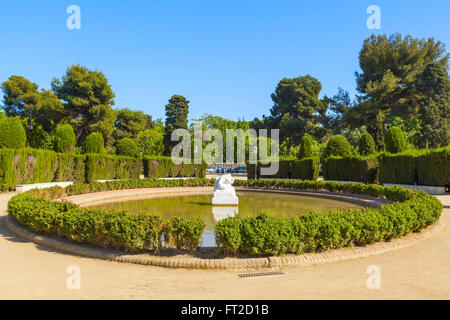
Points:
(353, 168)
(80, 188)
(22, 166)
(94, 143)
(337, 146)
(305, 169)
(6, 169)
(164, 167)
(108, 229)
(398, 168)
(265, 235)
(129, 123)
(296, 104)
(105, 167)
(366, 145)
(150, 142)
(127, 147)
(88, 98)
(434, 108)
(38, 138)
(306, 147)
(12, 133)
(176, 118)
(433, 167)
(395, 140)
(260, 236)
(64, 139)
(184, 233)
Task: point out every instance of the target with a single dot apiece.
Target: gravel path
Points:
(29, 271)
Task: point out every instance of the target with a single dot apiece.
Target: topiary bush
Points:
(337, 146)
(64, 139)
(395, 140)
(12, 133)
(366, 145)
(306, 150)
(127, 147)
(184, 233)
(94, 143)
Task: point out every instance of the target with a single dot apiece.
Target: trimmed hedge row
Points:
(28, 165)
(119, 230)
(420, 167)
(354, 168)
(22, 166)
(80, 188)
(265, 235)
(104, 167)
(305, 169)
(162, 167)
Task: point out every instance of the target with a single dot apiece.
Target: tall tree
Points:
(22, 99)
(389, 69)
(88, 98)
(129, 123)
(297, 108)
(176, 118)
(338, 106)
(434, 107)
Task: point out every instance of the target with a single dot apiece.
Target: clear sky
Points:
(226, 57)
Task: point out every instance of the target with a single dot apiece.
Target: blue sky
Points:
(226, 57)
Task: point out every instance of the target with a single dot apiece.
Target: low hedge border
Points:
(258, 236)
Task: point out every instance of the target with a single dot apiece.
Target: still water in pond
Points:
(250, 204)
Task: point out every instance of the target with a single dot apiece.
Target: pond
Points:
(250, 204)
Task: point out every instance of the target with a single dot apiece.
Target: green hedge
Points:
(418, 167)
(104, 167)
(80, 188)
(117, 230)
(305, 169)
(22, 166)
(353, 168)
(433, 168)
(265, 235)
(411, 211)
(163, 167)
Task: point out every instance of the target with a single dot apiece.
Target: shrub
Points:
(306, 150)
(353, 168)
(261, 236)
(94, 143)
(64, 139)
(305, 169)
(366, 145)
(6, 169)
(105, 167)
(12, 133)
(164, 167)
(398, 168)
(337, 146)
(127, 147)
(265, 235)
(395, 140)
(433, 167)
(184, 233)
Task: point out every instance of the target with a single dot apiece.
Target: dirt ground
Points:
(30, 271)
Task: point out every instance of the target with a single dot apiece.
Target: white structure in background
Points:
(224, 193)
(222, 212)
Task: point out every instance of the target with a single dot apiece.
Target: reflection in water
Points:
(220, 212)
(250, 204)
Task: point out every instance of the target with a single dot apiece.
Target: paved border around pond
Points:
(227, 263)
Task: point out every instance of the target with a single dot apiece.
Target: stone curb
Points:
(224, 264)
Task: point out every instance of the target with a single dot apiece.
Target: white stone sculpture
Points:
(224, 193)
